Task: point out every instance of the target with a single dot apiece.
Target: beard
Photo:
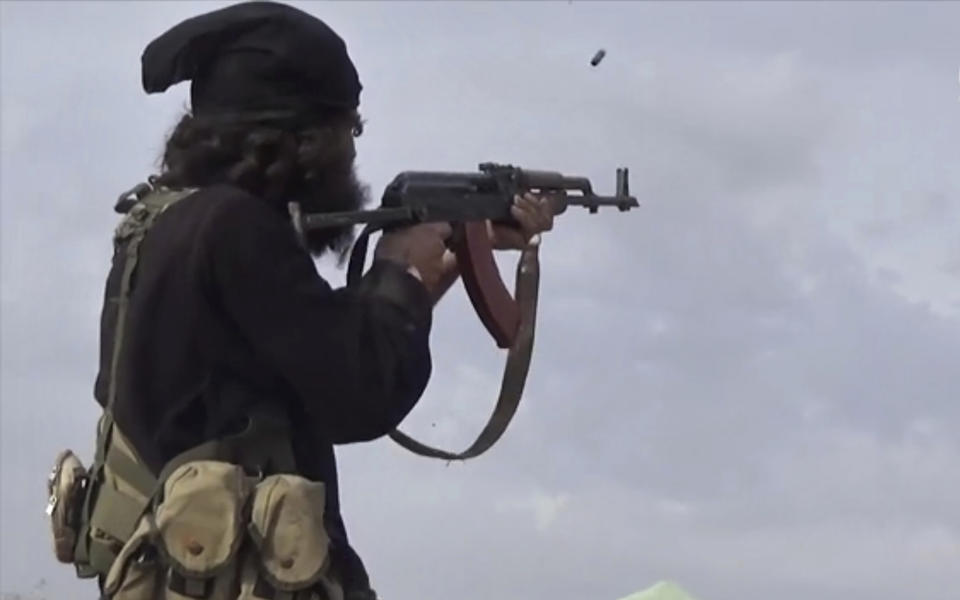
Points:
(332, 189)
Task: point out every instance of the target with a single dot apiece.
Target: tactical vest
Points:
(226, 520)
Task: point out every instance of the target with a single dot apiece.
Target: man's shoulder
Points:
(225, 197)
(231, 225)
(228, 209)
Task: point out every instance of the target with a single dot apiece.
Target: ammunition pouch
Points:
(221, 534)
(65, 490)
(226, 520)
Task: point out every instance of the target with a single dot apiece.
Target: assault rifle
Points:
(467, 201)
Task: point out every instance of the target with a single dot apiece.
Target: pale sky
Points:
(747, 386)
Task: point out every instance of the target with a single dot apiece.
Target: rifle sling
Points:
(514, 374)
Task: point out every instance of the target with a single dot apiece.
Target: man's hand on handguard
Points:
(534, 214)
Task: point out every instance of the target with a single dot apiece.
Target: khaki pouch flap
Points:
(134, 574)
(286, 524)
(200, 520)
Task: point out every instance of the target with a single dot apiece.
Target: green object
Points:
(665, 590)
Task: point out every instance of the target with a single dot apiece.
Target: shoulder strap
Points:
(132, 230)
(142, 206)
(128, 235)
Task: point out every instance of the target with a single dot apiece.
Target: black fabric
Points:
(254, 56)
(228, 311)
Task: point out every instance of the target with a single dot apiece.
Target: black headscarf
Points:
(254, 57)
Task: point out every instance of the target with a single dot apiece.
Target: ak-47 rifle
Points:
(467, 201)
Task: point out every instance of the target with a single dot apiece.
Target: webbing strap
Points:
(127, 468)
(116, 513)
(514, 375)
(133, 229)
(92, 557)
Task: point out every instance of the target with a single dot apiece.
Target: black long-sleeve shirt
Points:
(227, 310)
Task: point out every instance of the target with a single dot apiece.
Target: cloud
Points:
(952, 267)
(545, 508)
